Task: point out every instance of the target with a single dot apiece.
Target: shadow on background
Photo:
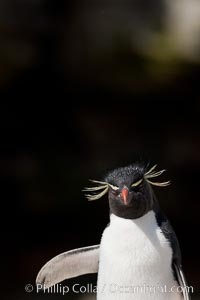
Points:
(120, 84)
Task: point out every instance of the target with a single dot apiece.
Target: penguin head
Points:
(129, 190)
(130, 195)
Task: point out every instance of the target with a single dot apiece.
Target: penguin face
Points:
(129, 191)
(130, 195)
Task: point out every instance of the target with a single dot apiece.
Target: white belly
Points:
(135, 261)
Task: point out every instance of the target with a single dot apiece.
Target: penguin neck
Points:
(146, 219)
(143, 227)
(130, 213)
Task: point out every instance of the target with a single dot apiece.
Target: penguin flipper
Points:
(68, 265)
(170, 235)
(181, 280)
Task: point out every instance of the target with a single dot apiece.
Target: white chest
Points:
(135, 261)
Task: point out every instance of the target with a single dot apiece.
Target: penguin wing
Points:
(181, 280)
(176, 259)
(170, 235)
(69, 264)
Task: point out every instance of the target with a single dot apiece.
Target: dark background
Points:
(87, 86)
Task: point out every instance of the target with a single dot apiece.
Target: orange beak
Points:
(124, 195)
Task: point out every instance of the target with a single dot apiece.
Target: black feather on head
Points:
(130, 176)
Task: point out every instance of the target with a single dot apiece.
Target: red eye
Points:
(115, 193)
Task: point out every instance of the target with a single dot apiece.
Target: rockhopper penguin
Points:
(139, 256)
